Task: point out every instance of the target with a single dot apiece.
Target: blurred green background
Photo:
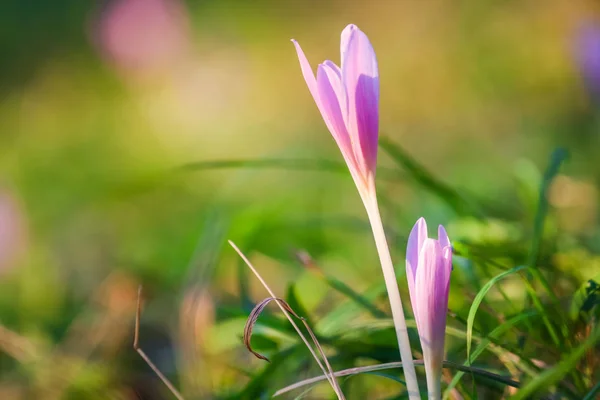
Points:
(129, 135)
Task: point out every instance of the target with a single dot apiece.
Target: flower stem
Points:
(434, 380)
(370, 202)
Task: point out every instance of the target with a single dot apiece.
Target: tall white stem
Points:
(370, 202)
(434, 384)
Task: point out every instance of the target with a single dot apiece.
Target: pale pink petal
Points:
(442, 290)
(330, 109)
(346, 33)
(423, 295)
(443, 237)
(431, 287)
(417, 236)
(307, 72)
(360, 76)
(335, 78)
(448, 260)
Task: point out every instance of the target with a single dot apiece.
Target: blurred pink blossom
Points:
(143, 35)
(12, 231)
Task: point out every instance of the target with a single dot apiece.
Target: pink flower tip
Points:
(428, 267)
(348, 99)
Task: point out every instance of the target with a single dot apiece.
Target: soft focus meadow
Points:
(138, 136)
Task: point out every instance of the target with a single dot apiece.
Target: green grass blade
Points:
(388, 376)
(591, 395)
(292, 300)
(550, 377)
(557, 158)
(260, 383)
(359, 299)
(346, 312)
(484, 344)
(358, 330)
(287, 165)
(585, 297)
(423, 177)
(479, 298)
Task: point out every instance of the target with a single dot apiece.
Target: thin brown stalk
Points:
(328, 372)
(17, 346)
(136, 337)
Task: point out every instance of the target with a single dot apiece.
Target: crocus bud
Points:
(348, 98)
(428, 266)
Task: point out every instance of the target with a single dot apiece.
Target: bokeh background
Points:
(137, 136)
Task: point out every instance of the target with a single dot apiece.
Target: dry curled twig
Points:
(253, 317)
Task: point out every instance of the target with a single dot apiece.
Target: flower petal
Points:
(335, 78)
(447, 254)
(431, 287)
(307, 72)
(346, 33)
(417, 236)
(327, 82)
(443, 237)
(360, 77)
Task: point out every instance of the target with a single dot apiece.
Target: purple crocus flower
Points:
(428, 266)
(348, 98)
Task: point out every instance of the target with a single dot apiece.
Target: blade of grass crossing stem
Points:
(388, 376)
(485, 342)
(420, 175)
(479, 298)
(392, 365)
(549, 377)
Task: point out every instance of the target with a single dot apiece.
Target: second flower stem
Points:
(370, 202)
